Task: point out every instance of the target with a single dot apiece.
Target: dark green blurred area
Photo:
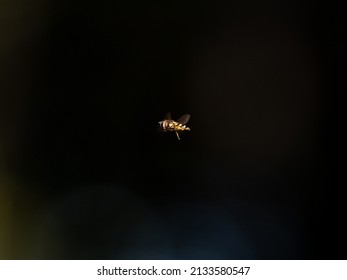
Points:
(84, 173)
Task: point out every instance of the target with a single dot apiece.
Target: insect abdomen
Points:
(180, 127)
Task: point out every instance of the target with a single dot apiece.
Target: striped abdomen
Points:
(170, 125)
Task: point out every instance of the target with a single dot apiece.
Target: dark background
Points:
(84, 173)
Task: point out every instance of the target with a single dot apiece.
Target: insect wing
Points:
(168, 116)
(184, 119)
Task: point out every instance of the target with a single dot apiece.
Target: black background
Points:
(84, 173)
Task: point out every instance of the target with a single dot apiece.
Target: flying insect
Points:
(168, 124)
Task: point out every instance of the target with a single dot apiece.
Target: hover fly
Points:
(177, 126)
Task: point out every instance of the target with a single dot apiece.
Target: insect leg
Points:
(177, 135)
